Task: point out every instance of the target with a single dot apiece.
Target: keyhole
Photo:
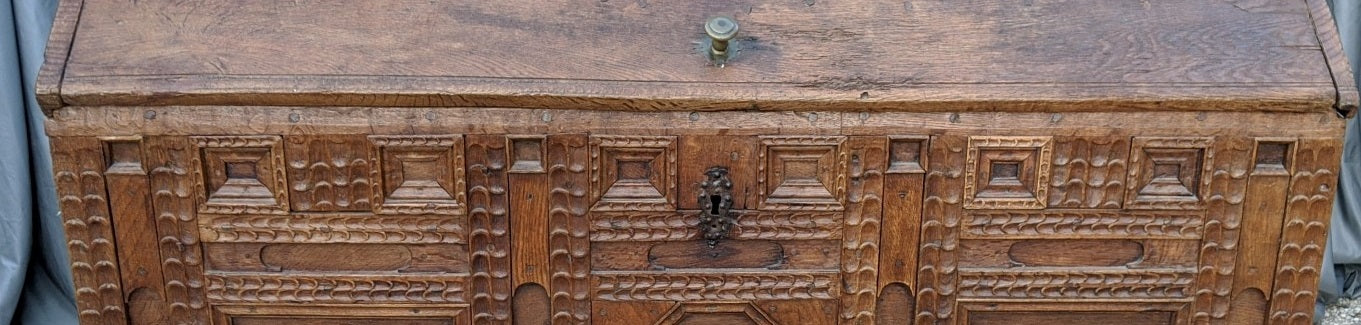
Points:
(714, 200)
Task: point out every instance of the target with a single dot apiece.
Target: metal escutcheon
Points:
(715, 202)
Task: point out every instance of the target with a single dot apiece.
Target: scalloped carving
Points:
(671, 226)
(674, 286)
(1305, 231)
(1089, 172)
(329, 173)
(335, 288)
(78, 165)
(333, 228)
(1077, 284)
(1083, 224)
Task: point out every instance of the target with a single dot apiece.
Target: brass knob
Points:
(720, 30)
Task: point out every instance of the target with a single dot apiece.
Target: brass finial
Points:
(720, 30)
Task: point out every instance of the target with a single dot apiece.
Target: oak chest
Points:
(696, 162)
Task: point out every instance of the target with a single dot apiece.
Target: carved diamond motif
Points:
(1007, 173)
(704, 313)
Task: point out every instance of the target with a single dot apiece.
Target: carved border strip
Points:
(672, 286)
(937, 273)
(276, 161)
(333, 228)
(860, 244)
(1169, 283)
(680, 226)
(568, 243)
(175, 174)
(488, 214)
(78, 169)
(1050, 224)
(1232, 160)
(1310, 198)
(335, 288)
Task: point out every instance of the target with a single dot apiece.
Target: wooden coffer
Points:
(602, 162)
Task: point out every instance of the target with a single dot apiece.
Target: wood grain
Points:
(937, 274)
(173, 162)
(1304, 231)
(568, 246)
(1231, 160)
(489, 229)
(624, 55)
(864, 215)
(134, 229)
(78, 168)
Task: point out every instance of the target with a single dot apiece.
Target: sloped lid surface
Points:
(1023, 55)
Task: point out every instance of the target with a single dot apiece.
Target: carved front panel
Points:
(580, 228)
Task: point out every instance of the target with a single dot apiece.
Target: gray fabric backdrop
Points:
(35, 282)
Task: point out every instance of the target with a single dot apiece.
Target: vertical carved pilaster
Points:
(568, 245)
(860, 242)
(172, 174)
(937, 276)
(1231, 161)
(78, 167)
(489, 235)
(1307, 207)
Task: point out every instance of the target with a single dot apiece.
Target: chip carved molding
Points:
(682, 226)
(1124, 284)
(335, 288)
(1083, 224)
(671, 286)
(333, 228)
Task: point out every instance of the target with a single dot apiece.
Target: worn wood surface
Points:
(890, 162)
(631, 55)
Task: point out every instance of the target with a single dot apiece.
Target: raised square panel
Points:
(1168, 173)
(801, 173)
(907, 154)
(241, 174)
(418, 174)
(633, 173)
(1007, 172)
